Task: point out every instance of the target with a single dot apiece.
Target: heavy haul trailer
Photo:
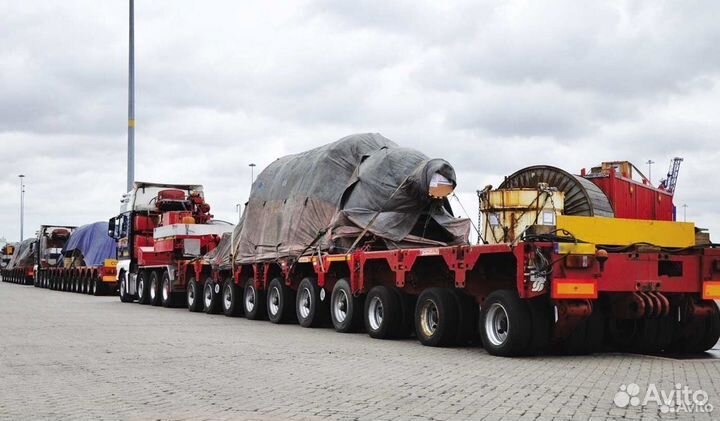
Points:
(573, 279)
(86, 264)
(161, 228)
(576, 280)
(43, 251)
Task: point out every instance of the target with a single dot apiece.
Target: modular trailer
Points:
(638, 285)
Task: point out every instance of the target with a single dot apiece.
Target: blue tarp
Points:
(93, 242)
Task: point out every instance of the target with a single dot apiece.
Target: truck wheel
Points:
(166, 296)
(383, 313)
(253, 301)
(211, 298)
(231, 299)
(124, 296)
(468, 316)
(142, 288)
(310, 310)
(505, 324)
(541, 318)
(345, 310)
(155, 288)
(407, 304)
(436, 317)
(194, 296)
(280, 301)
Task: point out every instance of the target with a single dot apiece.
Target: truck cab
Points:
(160, 226)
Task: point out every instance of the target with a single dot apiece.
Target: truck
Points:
(33, 254)
(161, 231)
(85, 264)
(359, 235)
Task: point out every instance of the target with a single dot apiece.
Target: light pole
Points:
(252, 173)
(649, 163)
(22, 206)
(131, 102)
(238, 208)
(684, 206)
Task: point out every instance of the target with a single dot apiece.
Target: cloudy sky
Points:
(489, 86)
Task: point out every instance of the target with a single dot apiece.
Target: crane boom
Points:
(670, 181)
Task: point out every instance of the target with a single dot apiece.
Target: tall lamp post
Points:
(131, 102)
(649, 163)
(684, 206)
(252, 173)
(22, 206)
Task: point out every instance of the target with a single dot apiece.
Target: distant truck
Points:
(85, 264)
(32, 254)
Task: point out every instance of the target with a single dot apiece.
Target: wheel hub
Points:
(305, 300)
(375, 313)
(341, 306)
(429, 318)
(497, 324)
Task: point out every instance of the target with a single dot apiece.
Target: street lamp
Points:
(649, 163)
(238, 208)
(22, 206)
(684, 206)
(252, 173)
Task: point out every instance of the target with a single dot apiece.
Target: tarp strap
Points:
(382, 209)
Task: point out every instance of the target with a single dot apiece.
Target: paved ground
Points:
(70, 356)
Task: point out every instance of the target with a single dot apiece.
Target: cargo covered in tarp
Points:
(91, 243)
(24, 255)
(219, 257)
(327, 197)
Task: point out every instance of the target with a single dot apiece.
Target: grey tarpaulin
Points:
(326, 197)
(24, 255)
(219, 257)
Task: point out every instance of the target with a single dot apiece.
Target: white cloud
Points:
(490, 86)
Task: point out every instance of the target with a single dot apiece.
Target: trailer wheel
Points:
(231, 299)
(345, 310)
(407, 304)
(383, 313)
(211, 299)
(124, 296)
(468, 316)
(143, 290)
(194, 296)
(253, 301)
(310, 310)
(280, 301)
(505, 324)
(588, 337)
(155, 288)
(436, 317)
(167, 297)
(542, 323)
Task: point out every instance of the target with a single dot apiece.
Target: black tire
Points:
(345, 310)
(155, 289)
(310, 310)
(124, 296)
(280, 301)
(382, 313)
(96, 287)
(194, 296)
(542, 323)
(505, 324)
(143, 288)
(253, 301)
(407, 302)
(436, 317)
(167, 296)
(231, 299)
(468, 316)
(711, 332)
(211, 297)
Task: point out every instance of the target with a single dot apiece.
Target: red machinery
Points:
(161, 228)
